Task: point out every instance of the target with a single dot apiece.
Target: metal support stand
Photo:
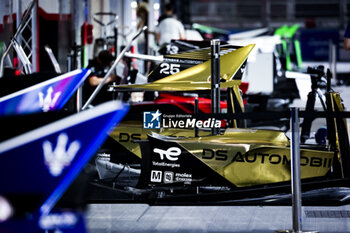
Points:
(116, 49)
(18, 21)
(196, 111)
(79, 99)
(215, 80)
(333, 59)
(295, 174)
(35, 44)
(72, 64)
(20, 28)
(53, 59)
(295, 170)
(22, 56)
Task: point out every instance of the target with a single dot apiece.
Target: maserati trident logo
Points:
(171, 154)
(49, 101)
(59, 158)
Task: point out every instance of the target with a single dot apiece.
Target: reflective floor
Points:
(108, 218)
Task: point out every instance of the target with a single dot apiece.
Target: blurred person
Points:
(347, 37)
(169, 27)
(99, 67)
(142, 40)
(142, 15)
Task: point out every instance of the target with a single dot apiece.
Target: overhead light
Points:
(156, 6)
(133, 4)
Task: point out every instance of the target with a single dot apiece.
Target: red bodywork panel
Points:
(186, 103)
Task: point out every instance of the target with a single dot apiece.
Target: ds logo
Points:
(171, 154)
(151, 120)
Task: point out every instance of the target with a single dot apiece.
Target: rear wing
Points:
(197, 77)
(49, 95)
(39, 165)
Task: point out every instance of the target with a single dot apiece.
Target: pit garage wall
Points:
(63, 19)
(126, 23)
(6, 22)
(53, 18)
(55, 30)
(72, 16)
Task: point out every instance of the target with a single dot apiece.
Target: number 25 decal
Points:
(169, 68)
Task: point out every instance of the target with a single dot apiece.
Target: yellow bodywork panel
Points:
(265, 165)
(247, 157)
(198, 76)
(126, 132)
(238, 135)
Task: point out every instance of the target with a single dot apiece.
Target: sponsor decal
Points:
(183, 177)
(60, 157)
(58, 220)
(156, 176)
(172, 49)
(265, 158)
(170, 154)
(164, 164)
(125, 137)
(183, 61)
(103, 156)
(191, 123)
(168, 69)
(49, 101)
(151, 120)
(168, 177)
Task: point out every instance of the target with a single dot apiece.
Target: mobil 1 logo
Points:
(168, 177)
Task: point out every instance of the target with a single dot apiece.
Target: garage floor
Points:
(108, 218)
